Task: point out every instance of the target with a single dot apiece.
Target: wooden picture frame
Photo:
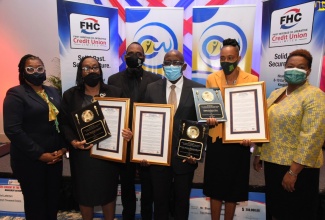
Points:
(152, 133)
(246, 108)
(116, 114)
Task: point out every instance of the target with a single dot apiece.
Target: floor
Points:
(61, 216)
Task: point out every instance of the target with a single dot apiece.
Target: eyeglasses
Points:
(173, 62)
(87, 69)
(31, 70)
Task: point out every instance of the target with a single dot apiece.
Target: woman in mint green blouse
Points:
(294, 154)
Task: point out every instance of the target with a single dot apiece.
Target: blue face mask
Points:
(295, 75)
(173, 73)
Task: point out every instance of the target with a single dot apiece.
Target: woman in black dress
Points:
(226, 171)
(94, 180)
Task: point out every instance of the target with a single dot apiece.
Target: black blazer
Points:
(72, 101)
(156, 93)
(123, 79)
(120, 80)
(27, 125)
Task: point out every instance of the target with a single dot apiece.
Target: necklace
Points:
(100, 95)
(233, 82)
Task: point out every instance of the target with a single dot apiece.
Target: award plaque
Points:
(192, 139)
(209, 104)
(91, 124)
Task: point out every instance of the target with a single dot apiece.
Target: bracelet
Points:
(292, 173)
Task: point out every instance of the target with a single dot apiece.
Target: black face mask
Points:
(228, 67)
(36, 79)
(92, 79)
(134, 61)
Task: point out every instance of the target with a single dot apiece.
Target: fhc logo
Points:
(290, 18)
(89, 26)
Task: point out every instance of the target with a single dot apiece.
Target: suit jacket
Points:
(156, 93)
(218, 79)
(72, 101)
(27, 125)
(120, 80)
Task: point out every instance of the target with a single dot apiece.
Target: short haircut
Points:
(231, 42)
(302, 53)
(137, 44)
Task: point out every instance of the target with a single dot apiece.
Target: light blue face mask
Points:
(295, 75)
(173, 73)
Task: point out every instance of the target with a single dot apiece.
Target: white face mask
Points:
(173, 73)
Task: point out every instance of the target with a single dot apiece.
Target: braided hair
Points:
(21, 66)
(79, 79)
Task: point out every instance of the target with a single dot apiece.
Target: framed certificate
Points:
(116, 114)
(209, 103)
(152, 133)
(246, 109)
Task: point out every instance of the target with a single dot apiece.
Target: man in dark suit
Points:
(157, 181)
(133, 81)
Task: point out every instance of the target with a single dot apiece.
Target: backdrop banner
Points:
(254, 208)
(158, 30)
(287, 26)
(212, 25)
(11, 198)
(86, 30)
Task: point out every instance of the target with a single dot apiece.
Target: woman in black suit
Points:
(94, 180)
(30, 113)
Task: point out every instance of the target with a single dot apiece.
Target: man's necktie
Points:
(172, 99)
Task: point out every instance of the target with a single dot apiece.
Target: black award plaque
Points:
(209, 103)
(192, 139)
(91, 124)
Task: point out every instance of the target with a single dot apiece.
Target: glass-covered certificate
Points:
(209, 104)
(90, 123)
(192, 139)
(152, 129)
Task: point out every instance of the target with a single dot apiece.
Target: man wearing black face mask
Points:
(133, 80)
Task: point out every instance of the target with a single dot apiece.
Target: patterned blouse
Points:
(297, 128)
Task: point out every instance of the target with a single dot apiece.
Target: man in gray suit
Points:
(159, 183)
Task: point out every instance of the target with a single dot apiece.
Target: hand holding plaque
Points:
(192, 139)
(209, 103)
(90, 123)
